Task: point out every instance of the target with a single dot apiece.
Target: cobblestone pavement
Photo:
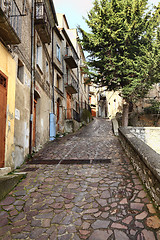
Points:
(95, 201)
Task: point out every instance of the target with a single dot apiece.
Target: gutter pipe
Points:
(32, 76)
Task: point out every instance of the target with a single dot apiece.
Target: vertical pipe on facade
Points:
(32, 74)
(53, 107)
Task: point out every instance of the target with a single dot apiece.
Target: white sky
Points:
(75, 9)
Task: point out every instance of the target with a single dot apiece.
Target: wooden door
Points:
(69, 115)
(58, 115)
(3, 107)
(34, 124)
(93, 112)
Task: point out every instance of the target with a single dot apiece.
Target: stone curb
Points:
(7, 183)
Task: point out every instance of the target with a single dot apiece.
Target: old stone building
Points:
(71, 85)
(26, 77)
(14, 50)
(105, 104)
(41, 79)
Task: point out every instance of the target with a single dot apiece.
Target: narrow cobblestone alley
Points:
(94, 194)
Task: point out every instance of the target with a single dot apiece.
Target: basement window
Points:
(20, 71)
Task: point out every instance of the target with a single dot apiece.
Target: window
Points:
(39, 56)
(58, 81)
(20, 71)
(58, 52)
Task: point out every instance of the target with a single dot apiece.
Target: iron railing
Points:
(84, 105)
(70, 52)
(41, 15)
(71, 114)
(74, 84)
(70, 81)
(13, 14)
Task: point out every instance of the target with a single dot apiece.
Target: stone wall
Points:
(145, 160)
(144, 120)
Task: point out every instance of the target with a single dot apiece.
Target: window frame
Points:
(58, 52)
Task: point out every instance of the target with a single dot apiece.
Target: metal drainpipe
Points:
(53, 107)
(32, 75)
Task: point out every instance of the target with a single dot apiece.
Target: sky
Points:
(75, 10)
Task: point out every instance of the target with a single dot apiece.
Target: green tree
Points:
(122, 47)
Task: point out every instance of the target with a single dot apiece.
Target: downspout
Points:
(32, 75)
(52, 123)
(53, 107)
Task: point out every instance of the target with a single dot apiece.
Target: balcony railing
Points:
(71, 114)
(42, 23)
(10, 22)
(84, 105)
(71, 85)
(70, 58)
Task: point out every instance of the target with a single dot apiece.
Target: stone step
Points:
(8, 182)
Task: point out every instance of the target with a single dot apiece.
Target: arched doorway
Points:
(36, 102)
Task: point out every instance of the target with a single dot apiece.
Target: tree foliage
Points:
(123, 46)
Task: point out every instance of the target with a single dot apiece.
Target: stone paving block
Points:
(100, 235)
(101, 201)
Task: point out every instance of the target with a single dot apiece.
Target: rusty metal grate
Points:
(70, 161)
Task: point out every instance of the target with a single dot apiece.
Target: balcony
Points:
(10, 22)
(42, 23)
(71, 86)
(70, 58)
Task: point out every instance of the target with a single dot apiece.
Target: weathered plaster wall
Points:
(22, 117)
(8, 67)
(44, 104)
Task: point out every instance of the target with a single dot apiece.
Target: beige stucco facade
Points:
(8, 68)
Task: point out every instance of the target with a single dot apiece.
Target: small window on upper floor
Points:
(39, 57)
(58, 81)
(58, 52)
(20, 71)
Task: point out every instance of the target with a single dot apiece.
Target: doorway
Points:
(34, 123)
(58, 113)
(35, 117)
(3, 107)
(69, 115)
